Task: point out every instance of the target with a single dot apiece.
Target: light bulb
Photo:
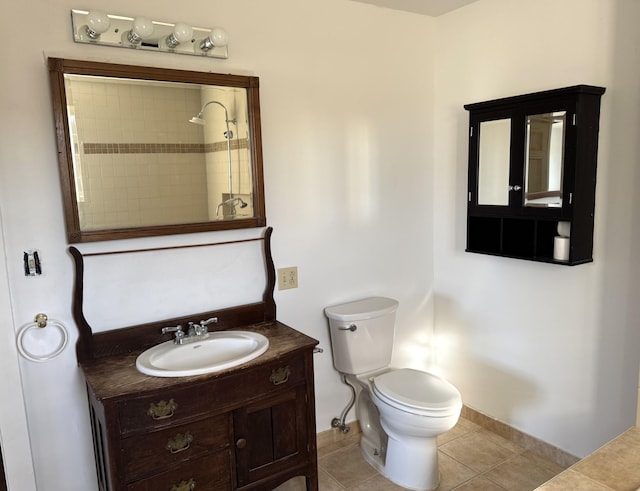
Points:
(97, 23)
(142, 28)
(217, 39)
(182, 33)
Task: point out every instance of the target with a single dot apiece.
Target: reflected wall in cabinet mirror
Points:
(493, 162)
(149, 151)
(544, 159)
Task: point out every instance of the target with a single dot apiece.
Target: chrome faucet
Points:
(195, 332)
(180, 334)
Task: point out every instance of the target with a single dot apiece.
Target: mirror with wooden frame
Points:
(149, 151)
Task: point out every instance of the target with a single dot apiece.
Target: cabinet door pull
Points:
(280, 376)
(179, 443)
(162, 409)
(241, 443)
(189, 485)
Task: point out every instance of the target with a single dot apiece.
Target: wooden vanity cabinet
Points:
(252, 427)
(532, 164)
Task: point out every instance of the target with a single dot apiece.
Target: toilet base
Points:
(400, 467)
(413, 463)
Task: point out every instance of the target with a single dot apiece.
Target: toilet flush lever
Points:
(350, 327)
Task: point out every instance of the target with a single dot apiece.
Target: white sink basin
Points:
(220, 350)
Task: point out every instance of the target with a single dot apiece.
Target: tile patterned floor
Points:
(471, 459)
(614, 467)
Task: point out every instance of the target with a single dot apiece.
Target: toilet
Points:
(401, 411)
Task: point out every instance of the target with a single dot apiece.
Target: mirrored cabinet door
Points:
(493, 162)
(544, 159)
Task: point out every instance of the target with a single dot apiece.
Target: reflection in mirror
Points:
(544, 158)
(148, 151)
(493, 166)
(138, 161)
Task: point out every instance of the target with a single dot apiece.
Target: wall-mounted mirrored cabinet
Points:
(149, 151)
(532, 175)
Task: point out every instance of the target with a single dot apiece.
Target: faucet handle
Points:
(177, 329)
(212, 320)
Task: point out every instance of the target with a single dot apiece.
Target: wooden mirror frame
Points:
(59, 67)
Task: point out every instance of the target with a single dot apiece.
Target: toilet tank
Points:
(362, 334)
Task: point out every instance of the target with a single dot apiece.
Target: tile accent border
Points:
(108, 148)
(535, 445)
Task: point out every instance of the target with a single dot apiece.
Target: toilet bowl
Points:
(401, 410)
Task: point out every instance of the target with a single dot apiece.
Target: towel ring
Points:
(30, 352)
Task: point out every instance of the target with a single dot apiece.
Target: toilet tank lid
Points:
(367, 308)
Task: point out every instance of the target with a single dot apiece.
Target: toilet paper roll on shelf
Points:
(561, 248)
(42, 339)
(564, 229)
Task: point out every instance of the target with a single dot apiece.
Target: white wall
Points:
(347, 114)
(550, 350)
(14, 438)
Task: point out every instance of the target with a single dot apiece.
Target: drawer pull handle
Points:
(241, 443)
(162, 409)
(189, 485)
(179, 443)
(280, 376)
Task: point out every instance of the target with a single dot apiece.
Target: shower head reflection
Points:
(198, 119)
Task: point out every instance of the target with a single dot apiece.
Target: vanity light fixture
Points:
(99, 28)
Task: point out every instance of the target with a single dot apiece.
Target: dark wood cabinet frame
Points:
(523, 232)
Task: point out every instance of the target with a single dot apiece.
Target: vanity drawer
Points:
(210, 473)
(263, 380)
(157, 411)
(152, 452)
(224, 393)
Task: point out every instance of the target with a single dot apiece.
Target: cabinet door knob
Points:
(241, 443)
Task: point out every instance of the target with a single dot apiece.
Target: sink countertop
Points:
(117, 376)
(614, 467)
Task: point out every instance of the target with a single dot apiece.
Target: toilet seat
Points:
(417, 392)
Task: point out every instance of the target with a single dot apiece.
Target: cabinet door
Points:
(494, 162)
(270, 436)
(544, 159)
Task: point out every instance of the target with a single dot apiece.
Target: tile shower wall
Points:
(219, 184)
(137, 165)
